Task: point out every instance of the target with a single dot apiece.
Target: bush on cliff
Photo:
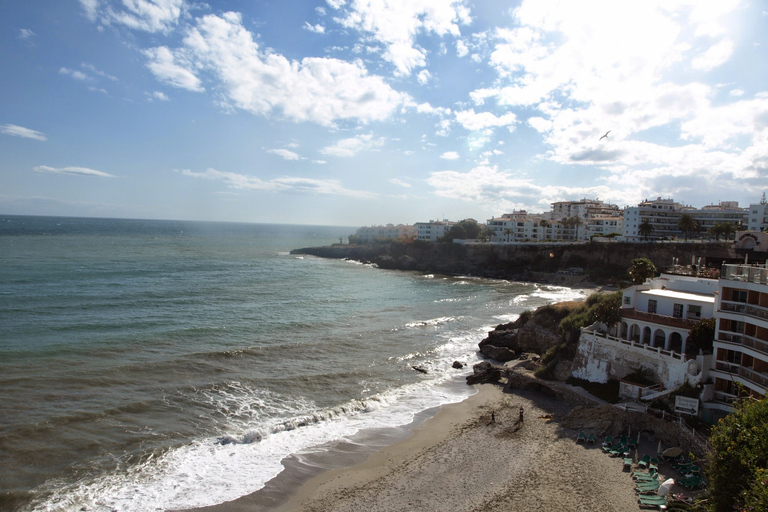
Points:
(738, 470)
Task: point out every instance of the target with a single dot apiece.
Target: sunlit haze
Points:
(360, 112)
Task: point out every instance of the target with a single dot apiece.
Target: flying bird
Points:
(604, 136)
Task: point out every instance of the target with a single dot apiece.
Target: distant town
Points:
(571, 221)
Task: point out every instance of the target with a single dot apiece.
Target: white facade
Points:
(662, 311)
(758, 216)
(601, 225)
(519, 226)
(664, 215)
(432, 230)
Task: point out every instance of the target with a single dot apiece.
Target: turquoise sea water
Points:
(154, 365)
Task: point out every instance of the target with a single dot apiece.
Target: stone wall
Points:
(600, 359)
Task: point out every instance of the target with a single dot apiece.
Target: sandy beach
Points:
(461, 460)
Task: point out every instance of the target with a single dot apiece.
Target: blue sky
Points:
(362, 112)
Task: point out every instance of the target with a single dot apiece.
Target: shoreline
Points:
(458, 459)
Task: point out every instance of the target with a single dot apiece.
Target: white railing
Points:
(636, 344)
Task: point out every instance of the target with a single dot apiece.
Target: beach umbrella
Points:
(665, 486)
(672, 452)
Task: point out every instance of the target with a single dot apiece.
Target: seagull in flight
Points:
(604, 136)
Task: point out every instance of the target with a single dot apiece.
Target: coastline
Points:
(460, 460)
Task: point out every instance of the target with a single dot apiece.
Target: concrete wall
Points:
(599, 359)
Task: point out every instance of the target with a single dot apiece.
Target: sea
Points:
(150, 365)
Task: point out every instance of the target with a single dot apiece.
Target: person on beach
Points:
(521, 415)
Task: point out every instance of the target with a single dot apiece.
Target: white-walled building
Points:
(664, 215)
(757, 219)
(432, 230)
(519, 226)
(662, 311)
(601, 225)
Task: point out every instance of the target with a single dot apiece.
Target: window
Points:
(628, 300)
(678, 311)
(652, 305)
(739, 296)
(694, 312)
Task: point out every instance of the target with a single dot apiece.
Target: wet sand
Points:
(462, 461)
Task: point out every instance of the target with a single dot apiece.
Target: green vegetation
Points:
(608, 391)
(701, 337)
(738, 461)
(467, 229)
(646, 229)
(688, 225)
(641, 269)
(585, 315)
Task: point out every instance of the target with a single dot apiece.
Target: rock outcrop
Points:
(536, 332)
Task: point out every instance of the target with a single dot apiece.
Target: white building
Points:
(432, 230)
(656, 318)
(664, 215)
(601, 225)
(758, 216)
(662, 311)
(521, 226)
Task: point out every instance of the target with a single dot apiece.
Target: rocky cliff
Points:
(600, 262)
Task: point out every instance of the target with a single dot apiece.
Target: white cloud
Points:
(397, 23)
(461, 49)
(400, 183)
(736, 92)
(717, 55)
(164, 65)
(25, 33)
(98, 72)
(319, 90)
(146, 15)
(318, 29)
(157, 95)
(285, 154)
(72, 171)
(483, 120)
(423, 76)
(20, 131)
(74, 73)
(353, 145)
(450, 155)
(284, 184)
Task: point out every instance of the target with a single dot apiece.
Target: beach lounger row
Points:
(584, 438)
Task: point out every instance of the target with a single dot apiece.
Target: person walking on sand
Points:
(521, 415)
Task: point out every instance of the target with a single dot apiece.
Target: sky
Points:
(368, 112)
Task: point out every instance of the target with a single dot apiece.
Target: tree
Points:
(728, 230)
(507, 232)
(717, 231)
(702, 336)
(738, 461)
(646, 229)
(607, 312)
(467, 229)
(688, 225)
(641, 269)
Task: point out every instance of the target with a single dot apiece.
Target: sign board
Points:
(686, 405)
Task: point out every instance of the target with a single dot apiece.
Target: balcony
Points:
(670, 321)
(743, 340)
(757, 378)
(745, 273)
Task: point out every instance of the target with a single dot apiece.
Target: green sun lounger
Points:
(591, 438)
(581, 438)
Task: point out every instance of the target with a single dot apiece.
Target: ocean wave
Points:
(430, 322)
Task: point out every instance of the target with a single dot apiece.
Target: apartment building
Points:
(664, 215)
(758, 216)
(518, 226)
(434, 229)
(741, 336)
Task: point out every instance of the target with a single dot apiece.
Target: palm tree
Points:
(646, 229)
(687, 225)
(507, 232)
(728, 230)
(717, 230)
